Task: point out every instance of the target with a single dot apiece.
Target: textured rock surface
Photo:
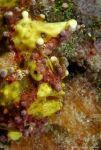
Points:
(79, 123)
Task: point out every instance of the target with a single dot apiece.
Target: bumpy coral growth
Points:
(32, 87)
(28, 32)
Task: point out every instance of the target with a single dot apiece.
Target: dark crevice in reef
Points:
(75, 69)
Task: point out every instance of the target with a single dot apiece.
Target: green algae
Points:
(44, 109)
(8, 3)
(10, 93)
(14, 135)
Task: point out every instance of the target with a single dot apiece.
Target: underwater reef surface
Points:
(69, 117)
